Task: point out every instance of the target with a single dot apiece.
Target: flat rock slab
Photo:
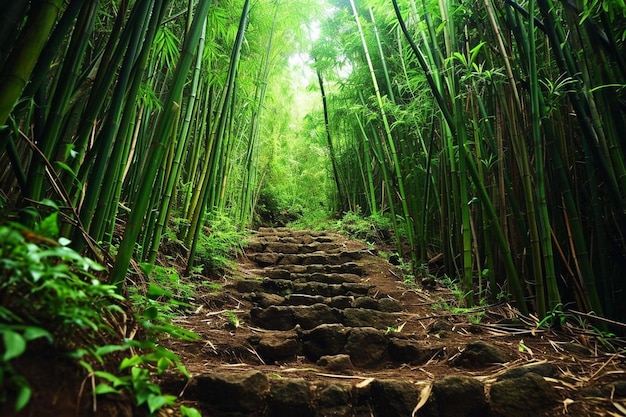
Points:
(362, 317)
(287, 317)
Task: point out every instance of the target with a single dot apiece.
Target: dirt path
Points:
(317, 325)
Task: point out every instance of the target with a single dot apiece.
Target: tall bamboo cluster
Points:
(132, 114)
(491, 132)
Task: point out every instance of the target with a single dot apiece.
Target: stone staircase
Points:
(323, 332)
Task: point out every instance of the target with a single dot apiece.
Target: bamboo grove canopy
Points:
(490, 132)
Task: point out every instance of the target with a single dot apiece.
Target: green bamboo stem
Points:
(18, 66)
(221, 130)
(111, 127)
(158, 146)
(509, 265)
(390, 142)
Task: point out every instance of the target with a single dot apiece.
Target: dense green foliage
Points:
(488, 137)
(49, 292)
(488, 134)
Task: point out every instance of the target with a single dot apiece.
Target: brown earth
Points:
(314, 324)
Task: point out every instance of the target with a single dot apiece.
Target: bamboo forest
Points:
(479, 148)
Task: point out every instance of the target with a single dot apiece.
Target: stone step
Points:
(328, 278)
(284, 270)
(286, 317)
(293, 245)
(363, 347)
(264, 300)
(273, 258)
(255, 394)
(285, 287)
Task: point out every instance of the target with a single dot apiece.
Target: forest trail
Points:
(314, 324)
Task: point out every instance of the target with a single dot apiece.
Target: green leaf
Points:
(102, 389)
(155, 402)
(163, 364)
(132, 361)
(189, 412)
(23, 397)
(151, 313)
(114, 379)
(105, 350)
(33, 332)
(154, 292)
(49, 227)
(181, 368)
(49, 203)
(14, 344)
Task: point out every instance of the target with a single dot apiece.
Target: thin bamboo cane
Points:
(135, 220)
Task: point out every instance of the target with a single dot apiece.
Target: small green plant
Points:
(233, 319)
(397, 329)
(135, 374)
(373, 228)
(554, 318)
(47, 291)
(219, 244)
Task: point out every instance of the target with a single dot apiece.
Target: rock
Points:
(366, 302)
(317, 259)
(329, 247)
(366, 346)
(264, 299)
(304, 300)
(239, 395)
(266, 259)
(388, 305)
(460, 396)
(273, 348)
(440, 325)
(341, 302)
(348, 268)
(256, 246)
(528, 395)
(278, 274)
(333, 395)
(313, 288)
(248, 285)
(543, 369)
(312, 316)
(326, 339)
(280, 247)
(290, 259)
(408, 351)
(336, 363)
(273, 317)
(361, 317)
(480, 354)
(290, 397)
(393, 398)
(279, 286)
(354, 288)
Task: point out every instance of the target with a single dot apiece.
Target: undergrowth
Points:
(49, 293)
